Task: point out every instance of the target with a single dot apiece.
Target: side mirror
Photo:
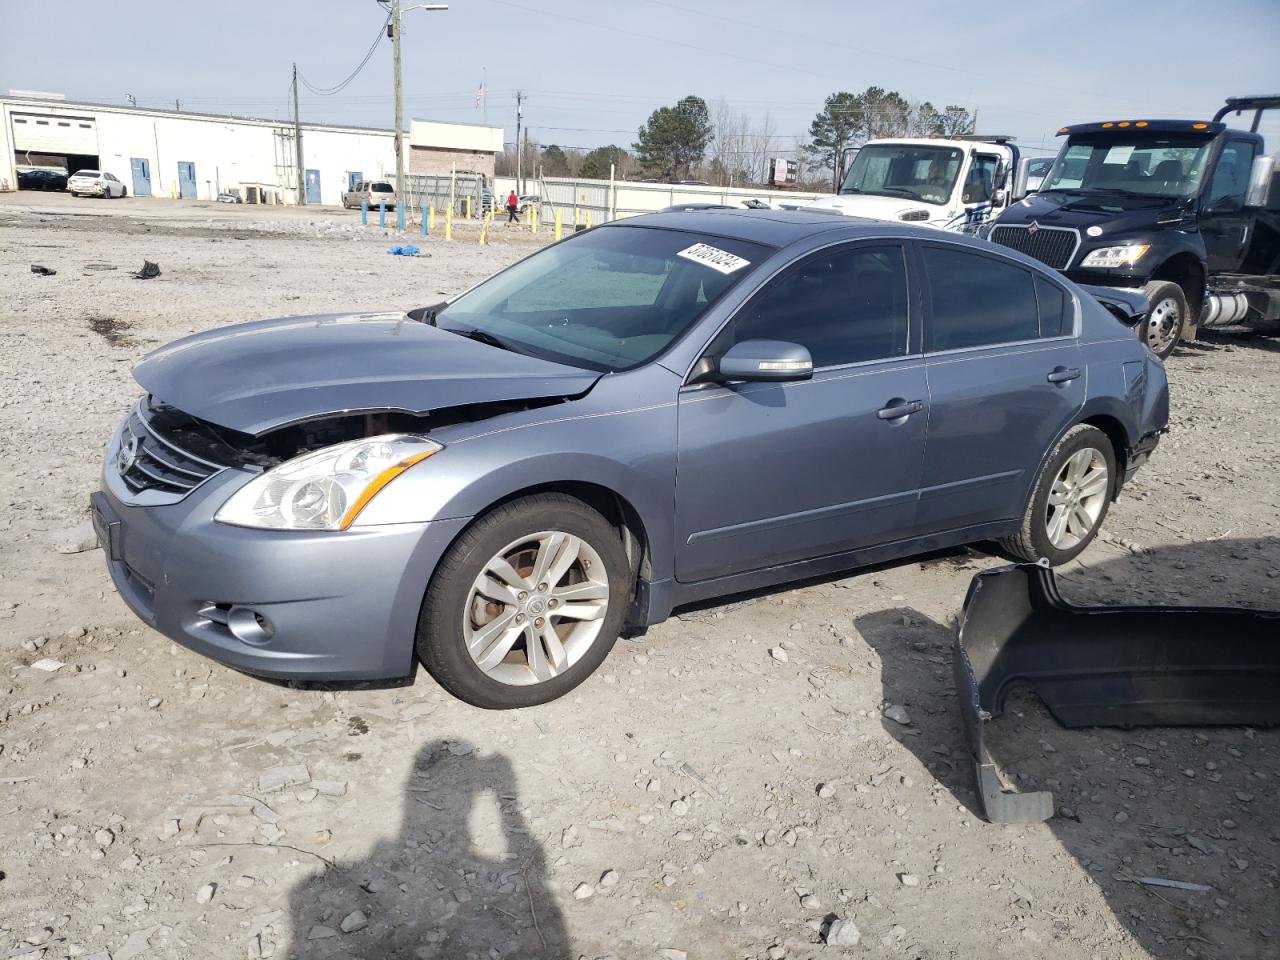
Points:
(998, 198)
(773, 360)
(1021, 176)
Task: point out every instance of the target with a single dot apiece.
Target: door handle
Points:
(898, 408)
(1063, 374)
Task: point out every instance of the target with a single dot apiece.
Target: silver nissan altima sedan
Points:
(650, 413)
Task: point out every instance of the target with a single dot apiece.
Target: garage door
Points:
(47, 133)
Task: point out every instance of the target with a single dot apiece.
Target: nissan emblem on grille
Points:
(127, 456)
(1033, 227)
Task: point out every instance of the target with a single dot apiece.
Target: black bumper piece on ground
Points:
(1104, 666)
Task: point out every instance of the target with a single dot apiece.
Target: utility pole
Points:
(519, 157)
(524, 151)
(394, 28)
(297, 139)
(395, 57)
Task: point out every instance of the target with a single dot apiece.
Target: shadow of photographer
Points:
(462, 876)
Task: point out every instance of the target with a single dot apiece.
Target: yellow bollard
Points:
(533, 219)
(468, 206)
(431, 219)
(588, 219)
(484, 231)
(448, 224)
(575, 215)
(559, 225)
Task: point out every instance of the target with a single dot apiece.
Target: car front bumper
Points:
(317, 605)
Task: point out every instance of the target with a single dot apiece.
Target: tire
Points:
(1166, 318)
(455, 615)
(124, 192)
(1033, 540)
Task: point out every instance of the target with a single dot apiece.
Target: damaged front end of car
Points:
(1125, 666)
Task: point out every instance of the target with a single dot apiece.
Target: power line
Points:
(338, 87)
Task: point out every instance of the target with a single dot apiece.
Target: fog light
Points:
(249, 626)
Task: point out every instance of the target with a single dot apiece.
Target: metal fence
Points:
(440, 190)
(606, 200)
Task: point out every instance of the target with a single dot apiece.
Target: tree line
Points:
(691, 141)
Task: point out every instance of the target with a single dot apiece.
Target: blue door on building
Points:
(353, 177)
(141, 176)
(313, 186)
(186, 180)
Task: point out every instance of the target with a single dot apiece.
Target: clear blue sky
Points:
(594, 69)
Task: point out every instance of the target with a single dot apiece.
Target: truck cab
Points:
(955, 183)
(1180, 209)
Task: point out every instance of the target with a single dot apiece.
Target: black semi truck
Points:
(1186, 211)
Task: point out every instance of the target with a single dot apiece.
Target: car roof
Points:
(777, 228)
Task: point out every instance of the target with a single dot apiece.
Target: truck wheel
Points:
(1166, 317)
(526, 604)
(1070, 499)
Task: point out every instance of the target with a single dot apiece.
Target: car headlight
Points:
(325, 489)
(914, 216)
(1121, 256)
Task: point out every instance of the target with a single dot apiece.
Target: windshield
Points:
(926, 174)
(1139, 165)
(608, 299)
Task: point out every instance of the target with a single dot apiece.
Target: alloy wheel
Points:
(537, 606)
(1077, 498)
(1162, 325)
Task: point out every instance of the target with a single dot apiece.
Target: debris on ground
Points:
(42, 271)
(149, 271)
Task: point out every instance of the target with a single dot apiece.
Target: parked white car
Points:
(95, 183)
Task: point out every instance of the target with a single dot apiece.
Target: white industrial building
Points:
(172, 153)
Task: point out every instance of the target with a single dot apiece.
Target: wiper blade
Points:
(483, 336)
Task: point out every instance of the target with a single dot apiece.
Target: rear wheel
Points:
(526, 604)
(1070, 499)
(1166, 317)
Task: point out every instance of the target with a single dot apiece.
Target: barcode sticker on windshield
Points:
(713, 257)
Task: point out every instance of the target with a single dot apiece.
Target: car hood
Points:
(256, 377)
(872, 207)
(1113, 215)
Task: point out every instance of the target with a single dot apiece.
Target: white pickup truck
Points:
(951, 184)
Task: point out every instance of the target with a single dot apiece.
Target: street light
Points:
(395, 42)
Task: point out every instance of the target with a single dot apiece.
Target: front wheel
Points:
(1070, 499)
(1166, 317)
(526, 604)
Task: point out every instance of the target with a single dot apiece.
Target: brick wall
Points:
(438, 160)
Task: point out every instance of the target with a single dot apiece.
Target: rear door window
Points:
(976, 300)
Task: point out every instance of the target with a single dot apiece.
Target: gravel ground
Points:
(701, 795)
